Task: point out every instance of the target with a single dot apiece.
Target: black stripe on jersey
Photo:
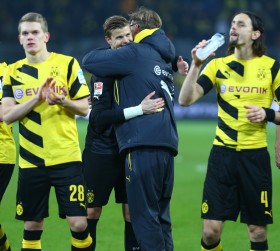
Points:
(35, 117)
(220, 75)
(69, 71)
(205, 83)
(228, 108)
(7, 91)
(15, 82)
(220, 140)
(30, 136)
(277, 93)
(75, 88)
(231, 133)
(237, 67)
(274, 70)
(76, 84)
(29, 70)
(30, 157)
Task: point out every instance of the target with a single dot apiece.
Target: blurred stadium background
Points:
(76, 28)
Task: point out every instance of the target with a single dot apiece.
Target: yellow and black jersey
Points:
(7, 143)
(239, 83)
(48, 134)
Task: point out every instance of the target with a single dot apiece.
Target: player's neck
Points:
(244, 53)
(38, 57)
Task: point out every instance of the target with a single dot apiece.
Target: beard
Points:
(233, 43)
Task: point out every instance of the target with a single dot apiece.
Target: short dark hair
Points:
(258, 46)
(114, 22)
(146, 18)
(33, 17)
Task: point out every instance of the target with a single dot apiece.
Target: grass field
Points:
(190, 165)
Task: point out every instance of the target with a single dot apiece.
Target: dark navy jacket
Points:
(140, 69)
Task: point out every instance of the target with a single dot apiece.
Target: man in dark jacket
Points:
(103, 165)
(149, 142)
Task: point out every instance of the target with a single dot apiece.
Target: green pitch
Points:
(190, 165)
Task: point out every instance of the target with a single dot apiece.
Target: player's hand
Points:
(53, 98)
(277, 155)
(182, 66)
(42, 92)
(150, 105)
(89, 102)
(197, 61)
(255, 114)
(277, 147)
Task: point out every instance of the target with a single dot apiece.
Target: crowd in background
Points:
(81, 21)
(76, 26)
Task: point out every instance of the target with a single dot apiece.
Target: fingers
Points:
(64, 91)
(249, 106)
(158, 105)
(150, 106)
(255, 114)
(51, 96)
(180, 59)
(277, 160)
(159, 102)
(150, 95)
(48, 82)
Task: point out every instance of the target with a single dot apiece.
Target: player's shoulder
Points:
(16, 65)
(266, 58)
(61, 56)
(3, 66)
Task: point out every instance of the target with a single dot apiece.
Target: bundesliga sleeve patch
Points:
(81, 76)
(98, 88)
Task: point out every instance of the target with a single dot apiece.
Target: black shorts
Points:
(103, 172)
(34, 187)
(6, 171)
(238, 182)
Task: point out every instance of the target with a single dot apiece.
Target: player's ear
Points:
(19, 39)
(256, 34)
(108, 40)
(47, 36)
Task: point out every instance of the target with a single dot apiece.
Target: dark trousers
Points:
(149, 184)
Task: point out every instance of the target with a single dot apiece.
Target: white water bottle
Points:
(212, 45)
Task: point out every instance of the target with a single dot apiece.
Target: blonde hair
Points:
(33, 17)
(146, 18)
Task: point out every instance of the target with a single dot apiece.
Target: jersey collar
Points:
(144, 33)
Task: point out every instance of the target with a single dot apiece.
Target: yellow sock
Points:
(217, 248)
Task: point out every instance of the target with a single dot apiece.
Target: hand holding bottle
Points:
(211, 46)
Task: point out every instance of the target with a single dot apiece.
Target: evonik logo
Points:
(242, 89)
(19, 93)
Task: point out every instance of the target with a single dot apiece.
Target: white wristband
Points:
(132, 112)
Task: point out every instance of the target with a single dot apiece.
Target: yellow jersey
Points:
(239, 83)
(48, 134)
(7, 143)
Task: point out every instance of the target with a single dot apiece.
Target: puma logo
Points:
(83, 205)
(269, 213)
